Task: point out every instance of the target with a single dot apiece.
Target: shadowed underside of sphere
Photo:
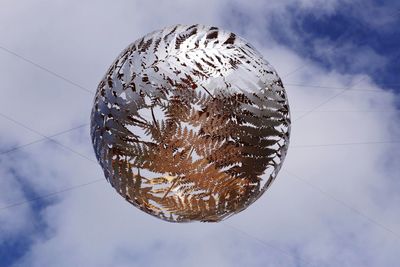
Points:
(190, 123)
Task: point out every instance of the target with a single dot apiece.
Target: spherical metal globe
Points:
(190, 123)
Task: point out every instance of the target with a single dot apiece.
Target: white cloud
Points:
(93, 226)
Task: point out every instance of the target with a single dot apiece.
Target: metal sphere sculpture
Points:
(190, 123)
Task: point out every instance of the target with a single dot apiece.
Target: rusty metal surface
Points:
(190, 123)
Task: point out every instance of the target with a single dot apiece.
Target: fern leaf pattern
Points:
(190, 123)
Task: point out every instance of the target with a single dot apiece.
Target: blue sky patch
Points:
(341, 28)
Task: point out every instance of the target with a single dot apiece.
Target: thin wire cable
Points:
(46, 70)
(83, 156)
(336, 95)
(307, 111)
(20, 203)
(267, 244)
(350, 207)
(292, 146)
(346, 144)
(326, 101)
(348, 111)
(12, 205)
(81, 185)
(43, 139)
(73, 83)
(47, 137)
(374, 222)
(334, 87)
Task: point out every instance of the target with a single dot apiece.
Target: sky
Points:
(334, 203)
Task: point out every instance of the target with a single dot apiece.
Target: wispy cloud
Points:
(296, 223)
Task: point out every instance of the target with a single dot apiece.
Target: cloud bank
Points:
(331, 205)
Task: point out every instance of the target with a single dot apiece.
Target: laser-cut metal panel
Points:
(190, 123)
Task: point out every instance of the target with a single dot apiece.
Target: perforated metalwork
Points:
(190, 123)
